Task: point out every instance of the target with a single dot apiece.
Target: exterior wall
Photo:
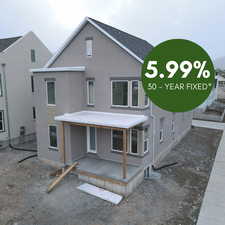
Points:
(108, 61)
(17, 61)
(65, 103)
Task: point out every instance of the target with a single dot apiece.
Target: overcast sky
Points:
(202, 21)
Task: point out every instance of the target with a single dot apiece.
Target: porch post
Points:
(124, 153)
(62, 146)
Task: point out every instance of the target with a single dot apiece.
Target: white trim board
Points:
(100, 193)
(76, 32)
(59, 69)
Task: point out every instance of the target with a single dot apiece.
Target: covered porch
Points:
(104, 169)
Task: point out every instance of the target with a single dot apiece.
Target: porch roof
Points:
(105, 119)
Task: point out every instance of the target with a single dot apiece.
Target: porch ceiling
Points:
(115, 120)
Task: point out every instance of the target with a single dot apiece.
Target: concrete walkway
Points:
(213, 207)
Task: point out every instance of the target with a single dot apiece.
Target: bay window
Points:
(120, 93)
(128, 94)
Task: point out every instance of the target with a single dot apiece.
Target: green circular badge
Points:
(178, 75)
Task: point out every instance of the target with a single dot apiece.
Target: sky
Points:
(201, 21)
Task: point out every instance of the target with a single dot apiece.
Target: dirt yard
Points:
(174, 199)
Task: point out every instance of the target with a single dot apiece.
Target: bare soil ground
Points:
(174, 199)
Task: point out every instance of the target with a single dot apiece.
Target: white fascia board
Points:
(59, 69)
(76, 32)
(113, 39)
(66, 43)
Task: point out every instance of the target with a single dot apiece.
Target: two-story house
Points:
(17, 111)
(91, 108)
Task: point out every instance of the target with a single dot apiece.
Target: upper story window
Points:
(90, 92)
(50, 92)
(89, 46)
(135, 87)
(128, 94)
(2, 121)
(32, 83)
(1, 88)
(32, 55)
(120, 93)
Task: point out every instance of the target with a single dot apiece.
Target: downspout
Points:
(153, 142)
(7, 113)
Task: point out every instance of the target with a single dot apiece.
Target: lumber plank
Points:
(59, 179)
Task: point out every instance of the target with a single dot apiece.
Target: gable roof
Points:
(6, 42)
(136, 47)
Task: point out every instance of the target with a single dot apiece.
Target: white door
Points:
(91, 140)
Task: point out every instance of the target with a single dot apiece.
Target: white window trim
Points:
(128, 94)
(147, 139)
(3, 121)
(88, 100)
(130, 149)
(52, 147)
(162, 136)
(88, 141)
(1, 85)
(50, 81)
(131, 94)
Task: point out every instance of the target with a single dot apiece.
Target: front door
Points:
(91, 140)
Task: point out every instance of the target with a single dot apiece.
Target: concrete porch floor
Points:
(106, 168)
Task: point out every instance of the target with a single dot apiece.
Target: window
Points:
(50, 92)
(1, 91)
(172, 123)
(120, 93)
(32, 83)
(161, 129)
(135, 88)
(134, 141)
(91, 139)
(89, 47)
(147, 172)
(34, 113)
(128, 94)
(32, 55)
(146, 139)
(146, 100)
(2, 122)
(117, 140)
(90, 92)
(53, 136)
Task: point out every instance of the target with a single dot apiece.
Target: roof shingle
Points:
(6, 42)
(137, 45)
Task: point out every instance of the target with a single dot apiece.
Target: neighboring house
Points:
(91, 108)
(17, 56)
(220, 85)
